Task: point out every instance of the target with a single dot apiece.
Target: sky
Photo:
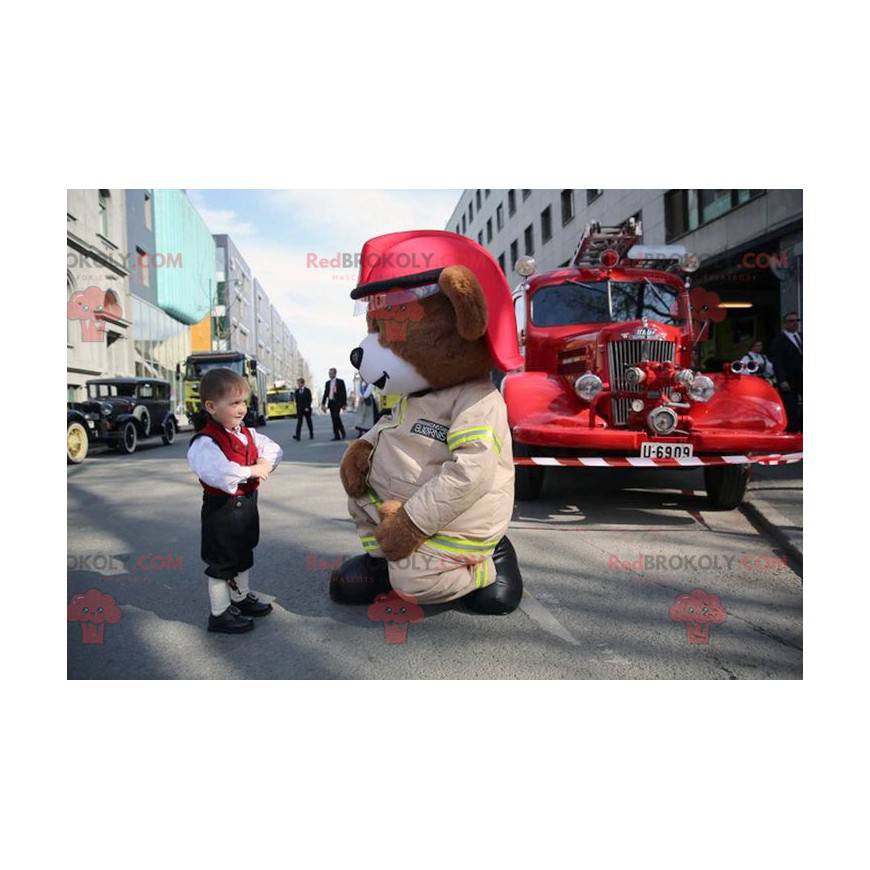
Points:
(275, 230)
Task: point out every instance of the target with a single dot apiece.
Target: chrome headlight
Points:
(526, 266)
(588, 386)
(662, 420)
(701, 389)
(106, 408)
(683, 377)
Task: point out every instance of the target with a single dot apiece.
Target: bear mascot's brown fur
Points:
(431, 485)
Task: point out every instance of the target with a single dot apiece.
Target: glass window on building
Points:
(529, 239)
(567, 200)
(489, 229)
(515, 253)
(546, 225)
(103, 205)
(463, 225)
(501, 263)
(478, 200)
(149, 218)
(526, 194)
(486, 193)
(470, 212)
(512, 202)
(480, 238)
(142, 266)
(160, 344)
(714, 203)
(592, 195)
(499, 216)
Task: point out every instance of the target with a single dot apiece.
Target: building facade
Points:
(749, 242)
(99, 314)
(263, 315)
(234, 320)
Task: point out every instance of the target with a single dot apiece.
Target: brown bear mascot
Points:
(431, 486)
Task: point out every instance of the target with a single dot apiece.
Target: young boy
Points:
(230, 461)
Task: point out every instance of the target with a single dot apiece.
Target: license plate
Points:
(90, 424)
(660, 450)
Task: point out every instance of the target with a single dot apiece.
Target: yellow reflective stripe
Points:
(481, 574)
(373, 496)
(369, 542)
(461, 546)
(472, 433)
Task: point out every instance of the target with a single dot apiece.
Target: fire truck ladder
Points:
(597, 239)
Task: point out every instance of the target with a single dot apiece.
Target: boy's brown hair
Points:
(216, 384)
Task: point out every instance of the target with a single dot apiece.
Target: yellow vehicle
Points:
(198, 364)
(281, 403)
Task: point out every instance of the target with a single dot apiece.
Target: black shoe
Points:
(296, 438)
(504, 593)
(230, 621)
(250, 605)
(359, 580)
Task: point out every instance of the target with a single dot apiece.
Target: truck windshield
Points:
(604, 302)
(197, 368)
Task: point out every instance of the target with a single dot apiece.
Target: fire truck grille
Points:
(621, 355)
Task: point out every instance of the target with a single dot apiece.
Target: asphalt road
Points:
(604, 555)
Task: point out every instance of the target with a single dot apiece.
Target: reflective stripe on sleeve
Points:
(473, 433)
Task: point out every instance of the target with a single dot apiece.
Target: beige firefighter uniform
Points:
(447, 456)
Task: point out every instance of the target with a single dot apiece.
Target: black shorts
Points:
(230, 531)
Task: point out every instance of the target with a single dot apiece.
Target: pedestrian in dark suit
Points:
(787, 356)
(335, 398)
(303, 408)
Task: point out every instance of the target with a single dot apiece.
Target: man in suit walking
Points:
(787, 355)
(302, 396)
(335, 397)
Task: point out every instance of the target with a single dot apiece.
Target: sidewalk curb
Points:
(770, 520)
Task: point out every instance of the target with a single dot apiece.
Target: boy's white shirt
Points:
(208, 463)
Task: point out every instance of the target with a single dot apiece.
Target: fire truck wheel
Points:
(528, 479)
(726, 485)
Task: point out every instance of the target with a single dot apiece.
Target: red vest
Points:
(235, 451)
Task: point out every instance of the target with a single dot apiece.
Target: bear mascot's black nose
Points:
(356, 357)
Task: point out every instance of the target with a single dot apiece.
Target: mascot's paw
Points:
(354, 467)
(396, 534)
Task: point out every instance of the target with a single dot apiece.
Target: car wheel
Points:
(261, 420)
(129, 438)
(528, 479)
(144, 418)
(726, 485)
(169, 431)
(76, 443)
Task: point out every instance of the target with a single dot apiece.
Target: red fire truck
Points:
(609, 379)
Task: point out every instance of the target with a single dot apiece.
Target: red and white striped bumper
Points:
(641, 462)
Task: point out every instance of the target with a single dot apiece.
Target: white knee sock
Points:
(218, 595)
(243, 581)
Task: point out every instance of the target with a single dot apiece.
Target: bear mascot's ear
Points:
(460, 286)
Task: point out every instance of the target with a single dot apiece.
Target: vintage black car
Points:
(120, 412)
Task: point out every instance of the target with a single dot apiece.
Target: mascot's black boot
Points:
(359, 580)
(504, 594)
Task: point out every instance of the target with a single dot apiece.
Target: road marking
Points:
(537, 612)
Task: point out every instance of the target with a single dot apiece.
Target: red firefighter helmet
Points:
(416, 258)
